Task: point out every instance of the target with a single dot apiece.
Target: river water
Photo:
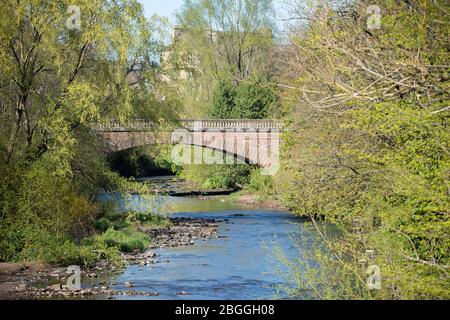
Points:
(241, 264)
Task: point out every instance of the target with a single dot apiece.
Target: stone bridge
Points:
(250, 141)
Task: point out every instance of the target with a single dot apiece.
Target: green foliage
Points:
(103, 224)
(146, 218)
(40, 245)
(250, 99)
(121, 230)
(55, 82)
(126, 240)
(217, 176)
(218, 40)
(369, 152)
(319, 271)
(41, 202)
(259, 183)
(223, 103)
(243, 36)
(256, 99)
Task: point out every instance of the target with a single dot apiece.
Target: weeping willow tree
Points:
(64, 66)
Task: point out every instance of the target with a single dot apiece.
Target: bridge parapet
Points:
(133, 125)
(192, 124)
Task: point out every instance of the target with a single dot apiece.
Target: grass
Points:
(114, 233)
(126, 240)
(157, 222)
(121, 231)
(63, 251)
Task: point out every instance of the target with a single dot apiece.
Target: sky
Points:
(167, 8)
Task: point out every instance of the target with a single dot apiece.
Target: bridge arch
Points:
(250, 141)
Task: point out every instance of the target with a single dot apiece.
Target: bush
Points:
(217, 176)
(260, 183)
(126, 240)
(102, 224)
(255, 99)
(146, 218)
(44, 212)
(49, 248)
(377, 167)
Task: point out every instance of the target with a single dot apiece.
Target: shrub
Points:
(126, 240)
(259, 182)
(55, 250)
(102, 224)
(217, 176)
(146, 218)
(255, 99)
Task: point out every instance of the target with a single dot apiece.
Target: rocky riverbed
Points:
(40, 281)
(182, 232)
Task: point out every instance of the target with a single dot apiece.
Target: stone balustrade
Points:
(193, 125)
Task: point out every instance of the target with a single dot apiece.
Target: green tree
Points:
(218, 40)
(223, 103)
(234, 34)
(255, 99)
(60, 72)
(369, 146)
(249, 99)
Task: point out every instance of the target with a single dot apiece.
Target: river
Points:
(241, 264)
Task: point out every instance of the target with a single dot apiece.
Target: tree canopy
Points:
(369, 146)
(63, 68)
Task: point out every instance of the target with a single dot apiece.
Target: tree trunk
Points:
(21, 100)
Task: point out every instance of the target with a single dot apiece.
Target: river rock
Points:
(55, 287)
(150, 254)
(20, 287)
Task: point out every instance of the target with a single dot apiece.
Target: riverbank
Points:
(178, 187)
(258, 201)
(248, 199)
(35, 280)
